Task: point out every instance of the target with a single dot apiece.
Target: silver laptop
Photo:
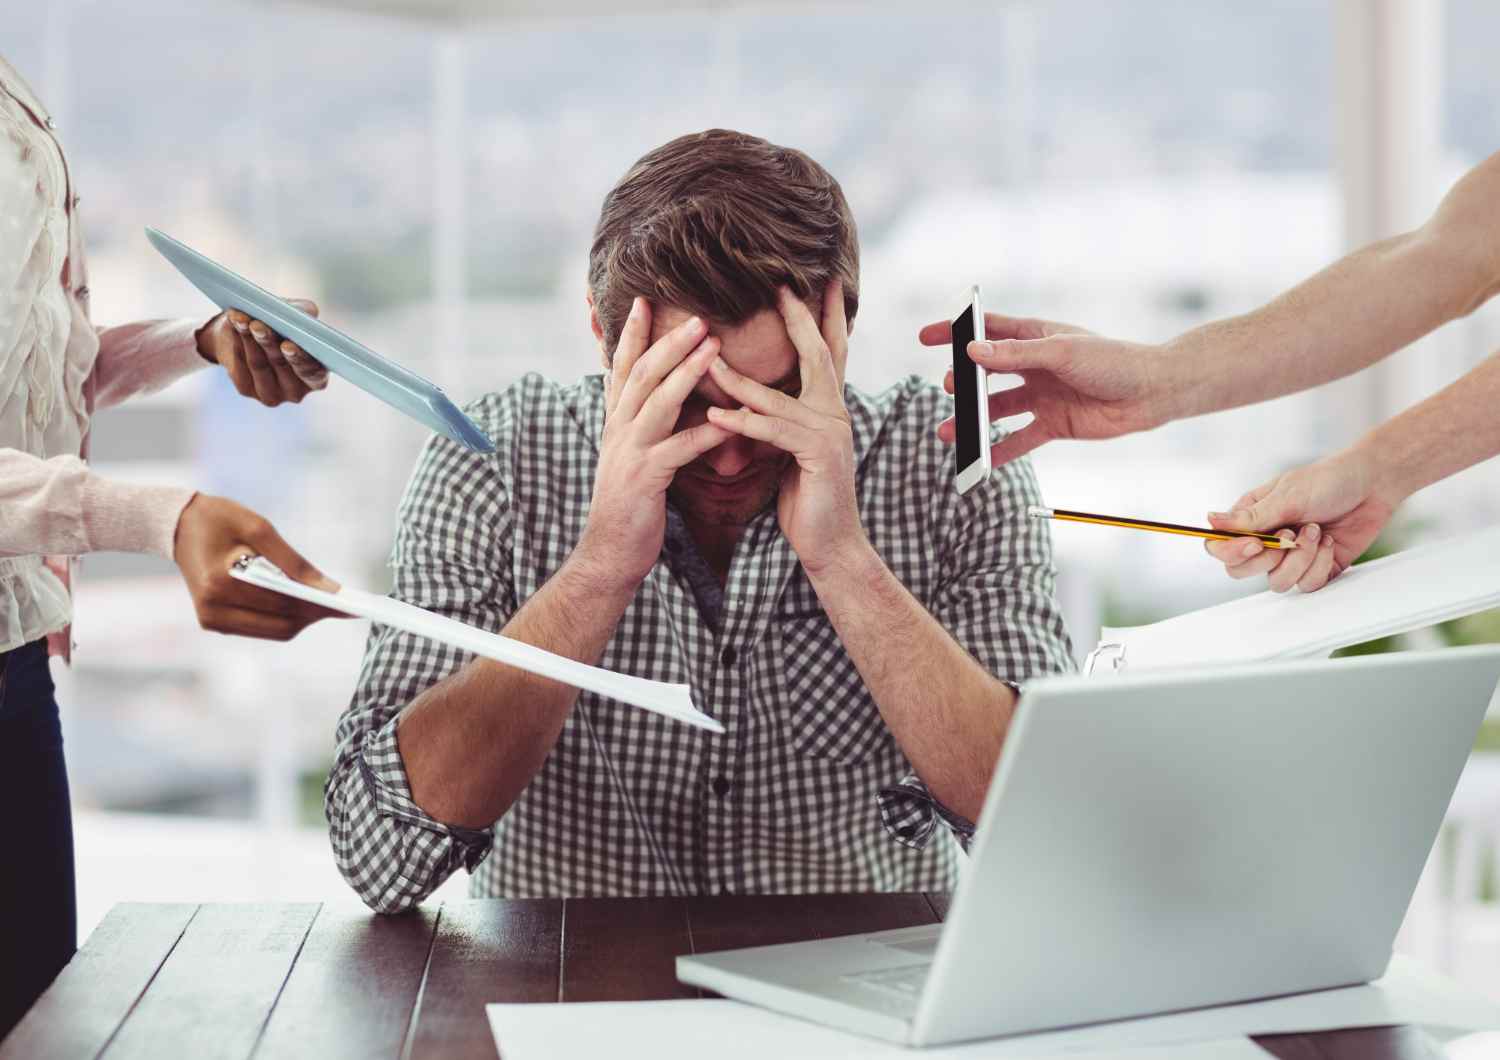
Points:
(1160, 842)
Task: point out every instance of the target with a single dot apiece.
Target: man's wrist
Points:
(855, 565)
(598, 576)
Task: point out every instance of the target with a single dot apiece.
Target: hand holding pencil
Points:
(1338, 507)
(1302, 528)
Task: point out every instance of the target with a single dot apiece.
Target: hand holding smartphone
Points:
(970, 400)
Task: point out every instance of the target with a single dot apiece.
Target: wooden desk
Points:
(294, 980)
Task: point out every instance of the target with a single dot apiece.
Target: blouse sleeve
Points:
(60, 507)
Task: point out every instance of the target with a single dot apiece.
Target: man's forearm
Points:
(946, 711)
(472, 742)
(1355, 312)
(1453, 429)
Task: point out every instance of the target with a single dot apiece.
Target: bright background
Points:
(431, 177)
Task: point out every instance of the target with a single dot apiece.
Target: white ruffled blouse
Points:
(55, 369)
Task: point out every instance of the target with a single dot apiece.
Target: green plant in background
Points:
(310, 796)
(1481, 628)
(1116, 613)
(376, 274)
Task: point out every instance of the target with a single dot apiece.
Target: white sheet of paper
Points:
(729, 1030)
(671, 700)
(1409, 590)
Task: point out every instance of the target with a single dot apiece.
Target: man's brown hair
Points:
(713, 223)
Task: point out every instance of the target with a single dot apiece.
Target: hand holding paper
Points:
(670, 700)
(211, 531)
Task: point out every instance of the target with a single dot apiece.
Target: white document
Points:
(1409, 590)
(671, 700)
(730, 1030)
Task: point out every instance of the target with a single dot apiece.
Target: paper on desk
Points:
(1407, 993)
(1399, 593)
(729, 1030)
(671, 700)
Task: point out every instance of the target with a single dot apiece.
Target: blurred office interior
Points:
(430, 171)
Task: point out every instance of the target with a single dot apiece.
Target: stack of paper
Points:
(1409, 590)
(659, 697)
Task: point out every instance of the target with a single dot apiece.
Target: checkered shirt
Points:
(806, 790)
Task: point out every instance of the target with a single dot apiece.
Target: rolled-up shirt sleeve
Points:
(911, 814)
(996, 597)
(451, 556)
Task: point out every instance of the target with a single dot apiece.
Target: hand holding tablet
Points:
(398, 387)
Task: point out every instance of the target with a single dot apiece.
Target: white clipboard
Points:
(400, 388)
(1407, 590)
(669, 700)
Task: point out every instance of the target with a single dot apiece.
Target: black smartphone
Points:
(970, 400)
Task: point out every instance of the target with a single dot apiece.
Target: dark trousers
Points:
(39, 929)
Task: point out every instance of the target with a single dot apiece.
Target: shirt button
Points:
(83, 291)
(721, 786)
(729, 655)
(50, 123)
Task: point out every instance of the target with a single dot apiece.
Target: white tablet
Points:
(398, 387)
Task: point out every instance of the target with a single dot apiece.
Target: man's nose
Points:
(729, 459)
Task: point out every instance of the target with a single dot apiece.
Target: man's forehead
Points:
(759, 348)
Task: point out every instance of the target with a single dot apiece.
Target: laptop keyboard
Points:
(918, 947)
(903, 982)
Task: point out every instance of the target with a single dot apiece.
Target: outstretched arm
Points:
(1342, 502)
(1350, 315)
(1353, 313)
(147, 355)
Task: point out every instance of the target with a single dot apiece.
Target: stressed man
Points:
(717, 508)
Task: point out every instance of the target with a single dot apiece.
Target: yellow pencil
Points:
(1269, 540)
